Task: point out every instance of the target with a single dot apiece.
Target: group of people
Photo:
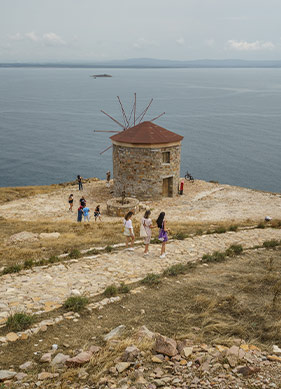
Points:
(83, 210)
(146, 226)
(146, 231)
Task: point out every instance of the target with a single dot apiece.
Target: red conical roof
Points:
(146, 133)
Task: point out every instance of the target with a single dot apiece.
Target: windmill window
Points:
(166, 157)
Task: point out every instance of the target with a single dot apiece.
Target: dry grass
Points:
(73, 236)
(19, 192)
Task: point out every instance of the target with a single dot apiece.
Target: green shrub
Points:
(75, 303)
(179, 235)
(233, 228)
(151, 279)
(209, 232)
(261, 225)
(199, 232)
(234, 249)
(108, 249)
(93, 252)
(74, 254)
(217, 256)
(220, 230)
(12, 269)
(271, 243)
(123, 288)
(42, 262)
(111, 291)
(174, 270)
(19, 321)
(53, 259)
(155, 241)
(28, 264)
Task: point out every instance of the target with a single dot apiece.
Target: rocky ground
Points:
(149, 360)
(43, 289)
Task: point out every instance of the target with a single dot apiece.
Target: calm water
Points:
(230, 120)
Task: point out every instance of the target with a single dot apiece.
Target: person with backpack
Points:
(163, 233)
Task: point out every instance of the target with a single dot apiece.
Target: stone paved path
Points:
(45, 288)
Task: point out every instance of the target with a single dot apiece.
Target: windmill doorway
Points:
(167, 187)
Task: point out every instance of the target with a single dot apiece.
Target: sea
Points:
(230, 120)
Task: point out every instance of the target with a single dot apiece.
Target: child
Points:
(70, 201)
(128, 230)
(97, 213)
(163, 233)
(86, 211)
(147, 223)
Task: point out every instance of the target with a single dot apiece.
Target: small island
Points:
(100, 75)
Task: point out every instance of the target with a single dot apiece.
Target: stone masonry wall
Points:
(140, 171)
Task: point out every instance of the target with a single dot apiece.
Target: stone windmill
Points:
(146, 158)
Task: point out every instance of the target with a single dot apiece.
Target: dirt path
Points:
(202, 201)
(44, 289)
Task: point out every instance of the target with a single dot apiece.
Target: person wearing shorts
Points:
(97, 213)
(163, 233)
(70, 201)
(129, 231)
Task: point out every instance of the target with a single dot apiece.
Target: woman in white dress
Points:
(147, 223)
(129, 231)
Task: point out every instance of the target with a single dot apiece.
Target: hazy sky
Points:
(64, 30)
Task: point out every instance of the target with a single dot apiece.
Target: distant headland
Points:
(150, 63)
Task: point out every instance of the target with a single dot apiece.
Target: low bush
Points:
(28, 264)
(151, 279)
(155, 241)
(74, 254)
(19, 321)
(174, 270)
(179, 235)
(12, 269)
(233, 228)
(93, 252)
(42, 262)
(76, 303)
(111, 291)
(271, 243)
(53, 259)
(234, 249)
(108, 249)
(217, 256)
(261, 225)
(220, 230)
(199, 232)
(123, 288)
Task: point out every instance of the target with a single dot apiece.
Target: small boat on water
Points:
(101, 75)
